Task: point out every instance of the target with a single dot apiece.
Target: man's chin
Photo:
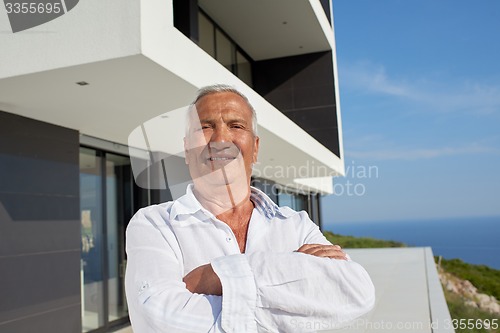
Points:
(219, 164)
(222, 177)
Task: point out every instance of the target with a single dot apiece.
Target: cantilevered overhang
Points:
(273, 29)
(141, 69)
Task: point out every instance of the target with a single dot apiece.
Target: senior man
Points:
(224, 257)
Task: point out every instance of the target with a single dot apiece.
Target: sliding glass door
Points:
(119, 210)
(108, 199)
(92, 220)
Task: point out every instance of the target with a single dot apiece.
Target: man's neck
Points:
(238, 219)
(230, 206)
(225, 200)
(238, 216)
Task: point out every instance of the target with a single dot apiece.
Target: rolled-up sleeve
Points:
(239, 293)
(291, 292)
(157, 297)
(303, 293)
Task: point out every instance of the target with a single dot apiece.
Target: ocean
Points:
(474, 240)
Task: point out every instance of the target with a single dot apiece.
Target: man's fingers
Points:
(329, 252)
(325, 251)
(308, 247)
(304, 248)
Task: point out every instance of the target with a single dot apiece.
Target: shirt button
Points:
(228, 239)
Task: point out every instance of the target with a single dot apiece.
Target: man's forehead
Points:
(222, 101)
(224, 115)
(225, 110)
(219, 95)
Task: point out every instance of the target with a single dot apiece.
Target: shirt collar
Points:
(186, 205)
(264, 204)
(189, 205)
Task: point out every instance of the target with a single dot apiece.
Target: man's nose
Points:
(221, 134)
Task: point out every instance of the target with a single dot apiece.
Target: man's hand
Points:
(324, 251)
(203, 280)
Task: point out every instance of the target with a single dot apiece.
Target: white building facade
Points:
(73, 90)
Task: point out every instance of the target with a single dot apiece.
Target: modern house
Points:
(74, 89)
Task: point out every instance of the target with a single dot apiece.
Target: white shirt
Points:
(269, 288)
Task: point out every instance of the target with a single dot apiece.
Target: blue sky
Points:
(420, 98)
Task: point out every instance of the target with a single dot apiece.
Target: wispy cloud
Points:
(421, 153)
(432, 95)
(373, 79)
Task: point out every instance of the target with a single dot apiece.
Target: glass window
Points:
(285, 199)
(294, 200)
(119, 210)
(266, 186)
(315, 209)
(92, 239)
(243, 68)
(217, 44)
(206, 38)
(300, 202)
(224, 50)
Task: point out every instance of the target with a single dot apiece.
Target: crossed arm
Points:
(263, 291)
(203, 280)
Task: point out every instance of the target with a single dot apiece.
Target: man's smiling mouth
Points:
(221, 158)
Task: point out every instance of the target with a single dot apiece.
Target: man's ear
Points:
(256, 149)
(186, 152)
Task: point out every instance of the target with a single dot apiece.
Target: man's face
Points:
(221, 140)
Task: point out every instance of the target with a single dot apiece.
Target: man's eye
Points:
(239, 126)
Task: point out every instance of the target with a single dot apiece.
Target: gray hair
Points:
(222, 88)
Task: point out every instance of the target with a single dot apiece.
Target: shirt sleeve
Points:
(156, 294)
(312, 234)
(239, 293)
(292, 292)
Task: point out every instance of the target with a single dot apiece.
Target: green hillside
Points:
(351, 242)
(484, 278)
